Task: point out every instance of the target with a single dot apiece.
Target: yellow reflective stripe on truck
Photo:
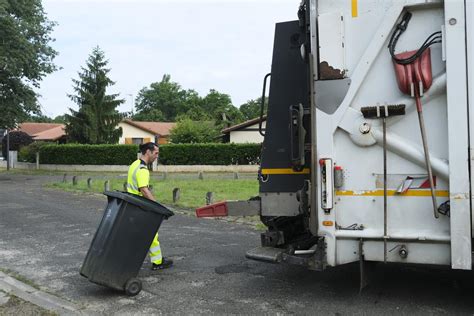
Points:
(284, 171)
(439, 193)
(354, 8)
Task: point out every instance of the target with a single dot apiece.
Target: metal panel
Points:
(418, 253)
(288, 86)
(330, 94)
(456, 68)
(279, 204)
(243, 208)
(331, 55)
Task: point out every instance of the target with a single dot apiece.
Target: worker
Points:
(138, 183)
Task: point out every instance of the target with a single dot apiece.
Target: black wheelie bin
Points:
(122, 240)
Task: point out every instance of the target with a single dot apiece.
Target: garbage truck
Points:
(368, 140)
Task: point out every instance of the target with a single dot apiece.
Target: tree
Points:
(17, 140)
(25, 58)
(188, 131)
(97, 119)
(251, 109)
(60, 119)
(162, 101)
(195, 113)
(221, 108)
(39, 118)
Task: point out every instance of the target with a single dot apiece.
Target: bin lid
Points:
(143, 203)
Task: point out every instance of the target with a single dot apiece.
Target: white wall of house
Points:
(248, 134)
(129, 131)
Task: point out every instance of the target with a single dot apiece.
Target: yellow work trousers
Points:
(155, 251)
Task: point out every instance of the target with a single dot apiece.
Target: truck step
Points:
(266, 254)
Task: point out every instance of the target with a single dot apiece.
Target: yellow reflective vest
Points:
(138, 177)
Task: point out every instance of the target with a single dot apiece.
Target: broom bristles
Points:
(381, 111)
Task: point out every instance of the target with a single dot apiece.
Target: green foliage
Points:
(39, 118)
(77, 154)
(188, 131)
(162, 101)
(18, 139)
(167, 101)
(28, 153)
(60, 119)
(25, 58)
(97, 118)
(221, 108)
(210, 154)
(251, 109)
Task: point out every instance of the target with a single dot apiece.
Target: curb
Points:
(37, 297)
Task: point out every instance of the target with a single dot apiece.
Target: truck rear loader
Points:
(369, 133)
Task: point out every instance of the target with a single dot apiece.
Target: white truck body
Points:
(352, 36)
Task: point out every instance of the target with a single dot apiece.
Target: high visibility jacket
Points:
(138, 177)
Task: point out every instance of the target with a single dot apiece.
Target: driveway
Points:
(45, 234)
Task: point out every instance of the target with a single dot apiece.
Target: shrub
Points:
(18, 139)
(188, 131)
(76, 154)
(28, 153)
(210, 154)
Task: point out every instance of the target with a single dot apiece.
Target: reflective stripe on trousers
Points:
(155, 251)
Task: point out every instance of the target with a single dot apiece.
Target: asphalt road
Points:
(45, 234)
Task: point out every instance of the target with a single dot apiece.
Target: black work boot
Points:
(165, 263)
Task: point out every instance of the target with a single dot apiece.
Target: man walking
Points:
(138, 183)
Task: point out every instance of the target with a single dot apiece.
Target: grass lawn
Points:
(192, 190)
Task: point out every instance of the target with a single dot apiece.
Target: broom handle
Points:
(384, 121)
(427, 154)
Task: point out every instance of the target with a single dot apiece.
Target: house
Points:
(48, 132)
(246, 132)
(135, 132)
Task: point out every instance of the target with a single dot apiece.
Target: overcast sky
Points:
(203, 44)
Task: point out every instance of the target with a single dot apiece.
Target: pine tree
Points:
(97, 119)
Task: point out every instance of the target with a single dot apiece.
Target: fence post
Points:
(200, 175)
(176, 193)
(165, 175)
(89, 182)
(64, 178)
(106, 185)
(37, 161)
(125, 186)
(236, 176)
(74, 180)
(209, 198)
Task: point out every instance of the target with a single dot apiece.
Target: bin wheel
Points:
(133, 287)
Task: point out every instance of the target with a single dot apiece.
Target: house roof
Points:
(54, 133)
(244, 124)
(156, 128)
(35, 128)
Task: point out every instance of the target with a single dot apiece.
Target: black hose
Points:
(401, 27)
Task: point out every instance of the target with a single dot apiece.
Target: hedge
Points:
(75, 154)
(210, 154)
(171, 154)
(28, 153)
